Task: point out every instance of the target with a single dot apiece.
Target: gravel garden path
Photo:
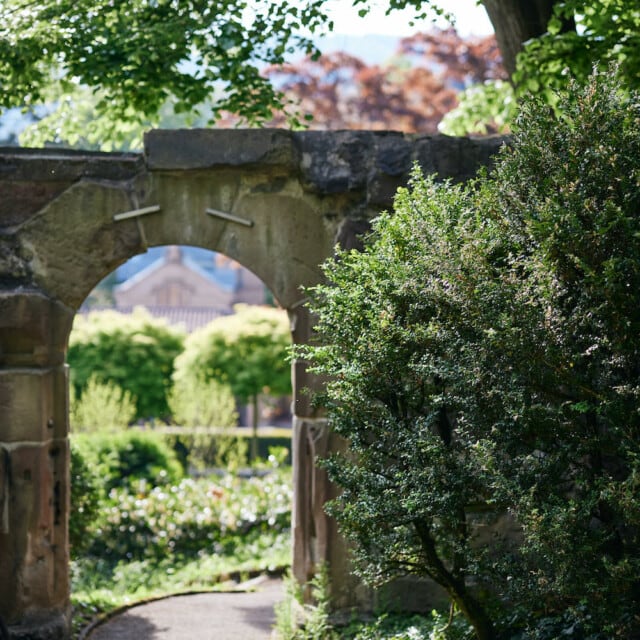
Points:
(203, 616)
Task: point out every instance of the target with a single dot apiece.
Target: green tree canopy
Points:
(137, 54)
(143, 58)
(247, 351)
(483, 357)
(134, 351)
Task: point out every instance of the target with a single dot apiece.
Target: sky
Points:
(470, 19)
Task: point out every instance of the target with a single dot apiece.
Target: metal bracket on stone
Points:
(300, 302)
(5, 462)
(230, 217)
(136, 213)
(293, 316)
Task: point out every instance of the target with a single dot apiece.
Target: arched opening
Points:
(173, 530)
(69, 219)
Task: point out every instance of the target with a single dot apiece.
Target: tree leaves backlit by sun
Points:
(140, 53)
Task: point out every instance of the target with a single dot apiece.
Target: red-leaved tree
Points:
(411, 92)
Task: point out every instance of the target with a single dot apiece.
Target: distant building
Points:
(177, 280)
(185, 285)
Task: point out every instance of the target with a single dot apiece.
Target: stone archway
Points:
(273, 200)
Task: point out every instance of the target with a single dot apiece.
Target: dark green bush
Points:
(554, 393)
(483, 358)
(135, 352)
(123, 459)
(85, 502)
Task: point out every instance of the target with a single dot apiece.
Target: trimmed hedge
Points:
(123, 458)
(136, 352)
(190, 449)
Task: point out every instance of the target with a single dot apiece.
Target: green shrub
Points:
(438, 626)
(84, 503)
(128, 458)
(195, 402)
(556, 406)
(266, 444)
(193, 516)
(296, 620)
(134, 351)
(289, 611)
(247, 350)
(483, 353)
(198, 403)
(101, 406)
(482, 109)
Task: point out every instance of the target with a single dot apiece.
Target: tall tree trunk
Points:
(515, 22)
(254, 426)
(454, 585)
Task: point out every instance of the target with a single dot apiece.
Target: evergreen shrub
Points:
(133, 351)
(125, 459)
(483, 354)
(85, 502)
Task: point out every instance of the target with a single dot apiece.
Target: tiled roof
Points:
(199, 260)
(190, 318)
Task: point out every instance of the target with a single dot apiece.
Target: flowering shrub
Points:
(193, 517)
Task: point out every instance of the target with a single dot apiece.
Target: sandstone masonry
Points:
(275, 201)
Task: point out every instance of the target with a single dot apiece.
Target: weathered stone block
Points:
(30, 178)
(352, 232)
(14, 268)
(382, 189)
(316, 540)
(53, 625)
(207, 148)
(456, 158)
(33, 329)
(25, 405)
(68, 265)
(335, 163)
(304, 385)
(33, 405)
(19, 201)
(33, 554)
(19, 164)
(393, 153)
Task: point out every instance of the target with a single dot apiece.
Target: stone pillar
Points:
(316, 539)
(34, 466)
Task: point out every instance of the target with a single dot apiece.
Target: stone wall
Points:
(275, 201)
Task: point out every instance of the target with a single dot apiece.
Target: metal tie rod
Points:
(134, 213)
(229, 216)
